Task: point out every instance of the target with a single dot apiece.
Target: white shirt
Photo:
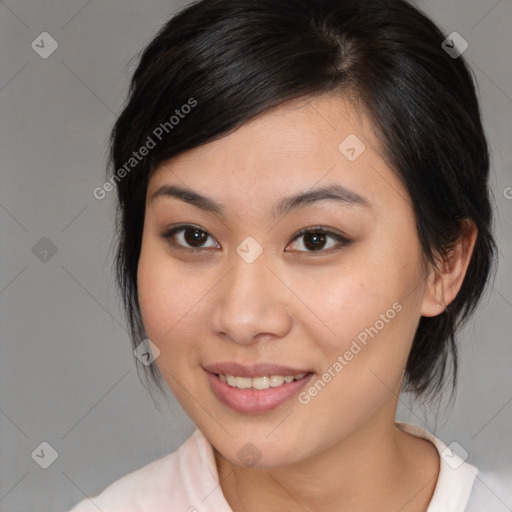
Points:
(187, 481)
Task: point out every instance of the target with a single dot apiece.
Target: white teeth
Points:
(276, 380)
(243, 382)
(263, 382)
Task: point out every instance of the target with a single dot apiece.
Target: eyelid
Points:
(342, 240)
(168, 234)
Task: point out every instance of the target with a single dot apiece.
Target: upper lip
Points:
(252, 370)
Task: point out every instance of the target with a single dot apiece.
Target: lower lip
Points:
(255, 400)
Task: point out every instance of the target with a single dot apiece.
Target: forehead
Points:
(301, 145)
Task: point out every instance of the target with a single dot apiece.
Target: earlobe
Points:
(445, 280)
(434, 301)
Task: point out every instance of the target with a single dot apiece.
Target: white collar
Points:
(456, 477)
(451, 494)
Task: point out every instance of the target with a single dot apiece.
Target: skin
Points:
(341, 451)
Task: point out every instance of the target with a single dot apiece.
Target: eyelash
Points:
(168, 235)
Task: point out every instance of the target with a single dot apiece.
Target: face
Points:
(230, 290)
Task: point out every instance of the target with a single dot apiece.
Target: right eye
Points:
(187, 237)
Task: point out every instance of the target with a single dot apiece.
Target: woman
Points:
(304, 223)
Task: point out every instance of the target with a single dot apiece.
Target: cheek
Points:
(342, 304)
(168, 301)
(155, 297)
(346, 300)
(166, 294)
(364, 311)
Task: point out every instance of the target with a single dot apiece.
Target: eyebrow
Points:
(334, 192)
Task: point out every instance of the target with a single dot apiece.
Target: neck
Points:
(374, 469)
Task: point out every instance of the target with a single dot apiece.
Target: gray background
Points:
(67, 373)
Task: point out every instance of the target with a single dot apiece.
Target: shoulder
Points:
(155, 486)
(456, 477)
(462, 486)
(491, 492)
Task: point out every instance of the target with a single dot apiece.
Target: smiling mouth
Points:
(259, 383)
(257, 391)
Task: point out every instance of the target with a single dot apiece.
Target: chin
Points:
(259, 451)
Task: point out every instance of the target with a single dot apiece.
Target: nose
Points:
(251, 303)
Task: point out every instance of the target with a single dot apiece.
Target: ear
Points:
(445, 280)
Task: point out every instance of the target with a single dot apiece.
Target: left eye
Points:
(315, 239)
(192, 238)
